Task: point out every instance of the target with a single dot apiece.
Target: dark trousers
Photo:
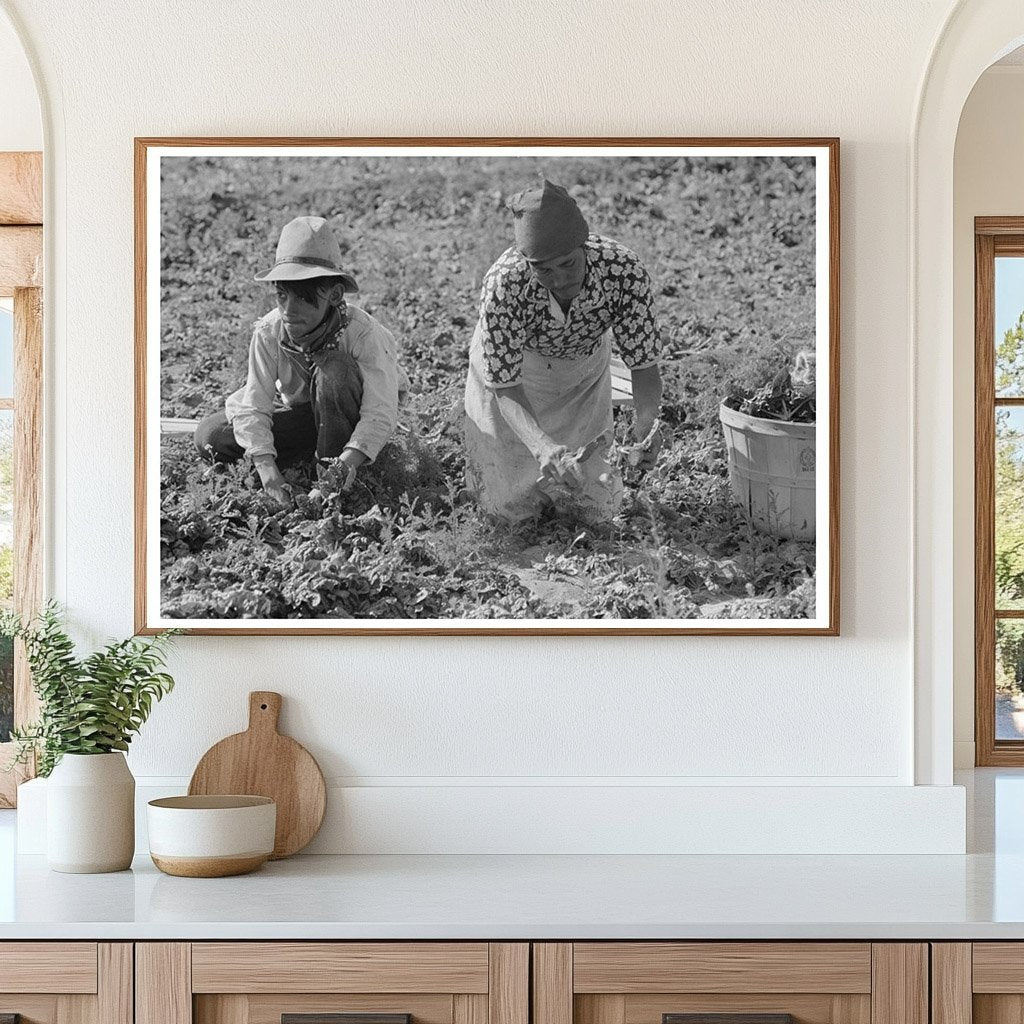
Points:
(322, 427)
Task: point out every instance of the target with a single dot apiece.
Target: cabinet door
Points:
(730, 983)
(332, 983)
(981, 982)
(66, 983)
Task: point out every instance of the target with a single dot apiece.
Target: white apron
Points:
(572, 401)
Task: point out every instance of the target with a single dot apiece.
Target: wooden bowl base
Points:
(209, 867)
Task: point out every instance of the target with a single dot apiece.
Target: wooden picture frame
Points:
(185, 214)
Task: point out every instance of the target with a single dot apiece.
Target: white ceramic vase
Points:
(90, 814)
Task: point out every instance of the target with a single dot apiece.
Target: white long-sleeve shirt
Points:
(279, 379)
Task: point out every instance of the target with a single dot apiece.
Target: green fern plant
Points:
(90, 705)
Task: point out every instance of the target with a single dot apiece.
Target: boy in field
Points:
(323, 375)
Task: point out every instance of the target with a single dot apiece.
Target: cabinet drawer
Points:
(332, 983)
(65, 967)
(340, 967)
(750, 967)
(733, 982)
(998, 968)
(641, 982)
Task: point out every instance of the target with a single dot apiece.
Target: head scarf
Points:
(547, 222)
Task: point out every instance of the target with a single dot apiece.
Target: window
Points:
(999, 490)
(21, 320)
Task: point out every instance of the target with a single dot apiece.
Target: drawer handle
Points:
(339, 1018)
(727, 1018)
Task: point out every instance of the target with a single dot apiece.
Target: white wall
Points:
(21, 127)
(444, 714)
(987, 182)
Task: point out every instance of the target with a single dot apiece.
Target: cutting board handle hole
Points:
(263, 707)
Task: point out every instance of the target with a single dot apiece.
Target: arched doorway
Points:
(977, 33)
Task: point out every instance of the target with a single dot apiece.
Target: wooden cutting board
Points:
(262, 762)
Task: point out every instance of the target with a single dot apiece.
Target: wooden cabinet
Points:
(653, 982)
(66, 982)
(512, 983)
(263, 982)
(978, 983)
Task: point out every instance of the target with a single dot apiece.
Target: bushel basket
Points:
(771, 471)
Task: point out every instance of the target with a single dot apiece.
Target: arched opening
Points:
(974, 38)
(987, 420)
(21, 247)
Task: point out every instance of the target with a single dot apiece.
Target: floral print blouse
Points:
(517, 312)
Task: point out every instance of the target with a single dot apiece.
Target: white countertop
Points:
(976, 896)
(517, 897)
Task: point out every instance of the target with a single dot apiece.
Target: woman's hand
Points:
(643, 453)
(647, 392)
(557, 465)
(647, 433)
(273, 482)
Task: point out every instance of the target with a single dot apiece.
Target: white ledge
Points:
(448, 817)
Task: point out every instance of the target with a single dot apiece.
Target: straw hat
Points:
(308, 248)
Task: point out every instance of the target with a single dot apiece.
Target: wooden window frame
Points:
(993, 237)
(21, 278)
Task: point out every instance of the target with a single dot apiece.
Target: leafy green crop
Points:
(89, 705)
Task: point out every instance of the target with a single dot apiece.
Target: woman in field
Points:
(323, 375)
(539, 394)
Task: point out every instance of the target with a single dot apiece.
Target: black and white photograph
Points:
(462, 386)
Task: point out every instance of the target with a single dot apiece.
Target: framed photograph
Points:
(505, 386)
